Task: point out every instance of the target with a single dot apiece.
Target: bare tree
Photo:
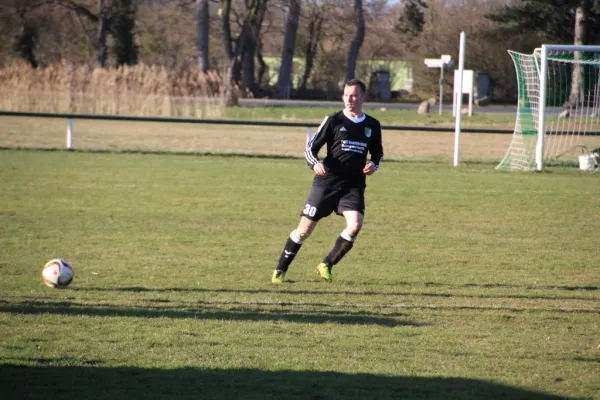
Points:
(101, 17)
(581, 16)
(27, 34)
(251, 28)
(203, 34)
(357, 41)
(316, 18)
(121, 28)
(284, 80)
(103, 20)
(115, 17)
(230, 95)
(240, 50)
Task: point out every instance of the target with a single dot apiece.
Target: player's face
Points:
(353, 99)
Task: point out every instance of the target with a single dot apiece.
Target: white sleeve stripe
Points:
(308, 153)
(322, 123)
(311, 160)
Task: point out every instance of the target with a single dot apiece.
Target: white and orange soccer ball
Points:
(57, 273)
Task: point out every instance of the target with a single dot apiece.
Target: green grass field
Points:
(465, 283)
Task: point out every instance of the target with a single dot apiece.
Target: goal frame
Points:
(541, 132)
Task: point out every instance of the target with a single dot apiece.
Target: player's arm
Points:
(315, 144)
(376, 151)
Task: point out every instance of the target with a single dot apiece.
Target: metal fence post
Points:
(69, 133)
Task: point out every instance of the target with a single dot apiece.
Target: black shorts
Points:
(323, 200)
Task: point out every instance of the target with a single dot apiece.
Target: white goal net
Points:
(558, 111)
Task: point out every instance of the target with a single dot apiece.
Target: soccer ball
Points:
(57, 273)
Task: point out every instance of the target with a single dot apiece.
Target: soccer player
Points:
(340, 178)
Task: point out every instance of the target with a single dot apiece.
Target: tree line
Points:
(331, 37)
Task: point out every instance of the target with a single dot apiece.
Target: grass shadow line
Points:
(208, 312)
(140, 289)
(100, 382)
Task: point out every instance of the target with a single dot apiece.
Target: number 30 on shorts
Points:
(309, 210)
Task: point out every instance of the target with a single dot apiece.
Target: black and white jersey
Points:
(348, 141)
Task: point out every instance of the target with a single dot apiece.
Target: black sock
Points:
(341, 247)
(288, 254)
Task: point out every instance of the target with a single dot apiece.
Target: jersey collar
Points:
(355, 120)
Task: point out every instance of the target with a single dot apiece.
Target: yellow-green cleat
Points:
(324, 272)
(278, 276)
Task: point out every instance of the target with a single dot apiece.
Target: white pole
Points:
(69, 133)
(454, 97)
(461, 68)
(308, 134)
(541, 128)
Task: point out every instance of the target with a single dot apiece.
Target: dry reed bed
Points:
(139, 90)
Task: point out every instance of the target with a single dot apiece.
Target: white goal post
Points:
(558, 111)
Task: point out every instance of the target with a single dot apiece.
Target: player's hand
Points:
(369, 169)
(320, 169)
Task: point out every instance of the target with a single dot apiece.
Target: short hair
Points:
(357, 82)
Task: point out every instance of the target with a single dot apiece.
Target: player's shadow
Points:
(94, 381)
(232, 312)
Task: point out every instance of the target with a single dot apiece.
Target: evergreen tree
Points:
(411, 22)
(553, 20)
(413, 17)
